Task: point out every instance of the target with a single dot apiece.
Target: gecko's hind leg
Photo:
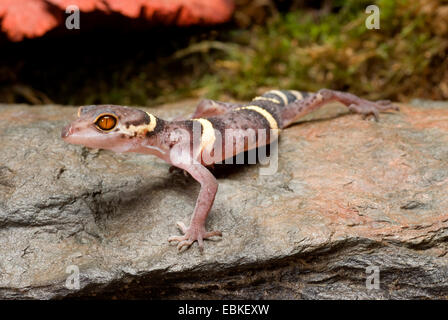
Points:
(297, 109)
(209, 108)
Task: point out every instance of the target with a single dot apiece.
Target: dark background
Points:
(305, 45)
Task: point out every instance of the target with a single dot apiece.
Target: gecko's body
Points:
(204, 139)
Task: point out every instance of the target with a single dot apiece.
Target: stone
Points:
(348, 194)
(21, 19)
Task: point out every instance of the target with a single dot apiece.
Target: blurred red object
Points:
(33, 18)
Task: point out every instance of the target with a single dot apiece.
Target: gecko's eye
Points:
(106, 122)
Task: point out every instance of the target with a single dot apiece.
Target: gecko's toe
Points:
(384, 105)
(182, 227)
(201, 244)
(191, 235)
(184, 243)
(384, 102)
(176, 238)
(365, 110)
(372, 108)
(394, 107)
(375, 114)
(210, 234)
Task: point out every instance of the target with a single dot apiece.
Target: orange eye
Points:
(106, 122)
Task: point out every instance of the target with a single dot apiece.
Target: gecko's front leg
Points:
(209, 186)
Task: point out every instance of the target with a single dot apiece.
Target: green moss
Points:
(307, 52)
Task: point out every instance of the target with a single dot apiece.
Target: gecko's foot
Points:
(357, 104)
(369, 108)
(192, 234)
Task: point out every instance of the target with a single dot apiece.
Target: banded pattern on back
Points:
(273, 101)
(272, 108)
(273, 123)
(262, 113)
(285, 97)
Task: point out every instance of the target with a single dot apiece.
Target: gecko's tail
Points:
(290, 105)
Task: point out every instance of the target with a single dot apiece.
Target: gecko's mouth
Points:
(91, 138)
(66, 131)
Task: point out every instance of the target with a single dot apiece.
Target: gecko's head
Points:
(110, 127)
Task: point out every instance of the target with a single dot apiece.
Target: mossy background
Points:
(270, 44)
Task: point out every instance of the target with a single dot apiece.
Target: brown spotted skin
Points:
(174, 142)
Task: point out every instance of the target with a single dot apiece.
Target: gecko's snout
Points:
(66, 131)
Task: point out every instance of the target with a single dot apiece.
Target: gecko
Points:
(196, 143)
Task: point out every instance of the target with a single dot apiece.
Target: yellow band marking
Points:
(152, 122)
(267, 99)
(272, 122)
(140, 129)
(208, 136)
(281, 95)
(296, 94)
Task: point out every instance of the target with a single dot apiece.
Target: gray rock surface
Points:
(347, 194)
